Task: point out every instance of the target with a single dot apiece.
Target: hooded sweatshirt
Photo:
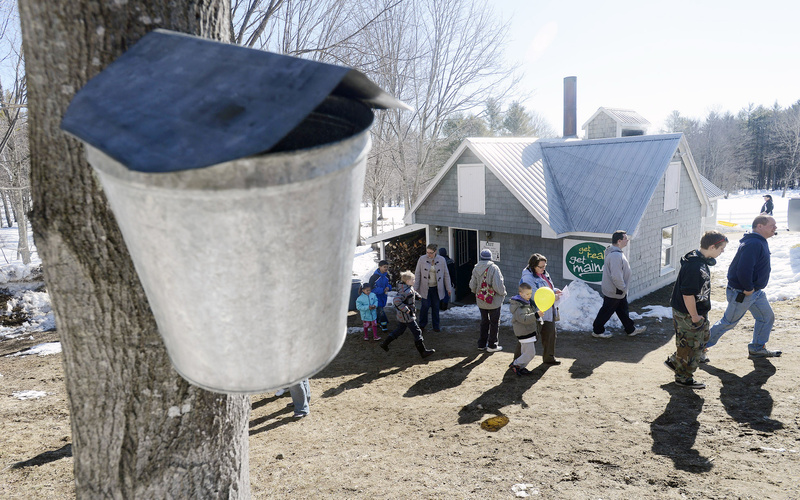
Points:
(694, 278)
(750, 267)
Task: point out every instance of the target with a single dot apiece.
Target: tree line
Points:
(757, 148)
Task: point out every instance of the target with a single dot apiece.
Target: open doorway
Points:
(465, 255)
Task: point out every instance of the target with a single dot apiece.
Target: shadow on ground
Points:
(675, 431)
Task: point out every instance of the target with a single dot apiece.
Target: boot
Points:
(423, 351)
(385, 344)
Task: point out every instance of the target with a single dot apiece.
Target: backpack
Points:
(485, 293)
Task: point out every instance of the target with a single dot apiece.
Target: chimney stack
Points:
(570, 107)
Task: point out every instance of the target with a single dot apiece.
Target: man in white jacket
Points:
(616, 275)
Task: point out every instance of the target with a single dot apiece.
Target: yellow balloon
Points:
(544, 298)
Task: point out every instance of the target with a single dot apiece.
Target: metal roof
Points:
(575, 186)
(626, 116)
(517, 162)
(606, 184)
(712, 191)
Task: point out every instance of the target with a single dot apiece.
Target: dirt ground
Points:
(607, 423)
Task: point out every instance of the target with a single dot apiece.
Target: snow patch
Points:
(524, 490)
(41, 350)
(23, 395)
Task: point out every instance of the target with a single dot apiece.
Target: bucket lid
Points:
(178, 102)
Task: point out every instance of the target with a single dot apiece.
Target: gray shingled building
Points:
(564, 198)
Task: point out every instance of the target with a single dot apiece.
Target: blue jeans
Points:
(301, 392)
(758, 306)
(432, 303)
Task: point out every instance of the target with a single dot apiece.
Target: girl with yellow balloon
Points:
(545, 297)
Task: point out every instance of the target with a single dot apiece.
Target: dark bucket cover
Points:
(178, 102)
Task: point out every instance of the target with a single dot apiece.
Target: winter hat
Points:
(486, 254)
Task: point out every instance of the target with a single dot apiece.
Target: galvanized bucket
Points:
(247, 264)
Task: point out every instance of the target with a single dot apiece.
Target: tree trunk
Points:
(138, 429)
(6, 208)
(374, 216)
(23, 250)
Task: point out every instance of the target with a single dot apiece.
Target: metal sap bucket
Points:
(247, 264)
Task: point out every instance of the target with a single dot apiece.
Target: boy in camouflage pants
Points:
(691, 301)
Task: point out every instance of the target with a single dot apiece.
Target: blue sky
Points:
(654, 57)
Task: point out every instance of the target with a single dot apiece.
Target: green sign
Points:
(585, 261)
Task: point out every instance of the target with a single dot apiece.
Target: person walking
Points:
(616, 276)
(691, 301)
(537, 277)
(490, 291)
(406, 318)
(432, 280)
(767, 207)
(525, 322)
(748, 275)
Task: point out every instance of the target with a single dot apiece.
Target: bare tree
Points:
(457, 65)
(138, 429)
(13, 148)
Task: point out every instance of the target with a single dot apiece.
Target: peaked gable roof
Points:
(577, 186)
(624, 117)
(606, 184)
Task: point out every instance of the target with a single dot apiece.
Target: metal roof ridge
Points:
(612, 140)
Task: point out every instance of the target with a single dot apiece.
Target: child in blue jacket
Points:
(367, 303)
(379, 281)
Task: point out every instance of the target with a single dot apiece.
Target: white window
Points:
(667, 248)
(672, 185)
(471, 189)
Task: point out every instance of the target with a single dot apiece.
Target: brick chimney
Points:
(571, 107)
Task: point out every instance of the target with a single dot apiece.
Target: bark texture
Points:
(138, 429)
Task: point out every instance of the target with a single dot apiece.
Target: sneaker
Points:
(604, 335)
(703, 357)
(437, 330)
(516, 369)
(366, 338)
(481, 348)
(376, 338)
(299, 415)
(524, 371)
(636, 332)
(385, 328)
(765, 353)
(691, 383)
(669, 364)
(494, 349)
